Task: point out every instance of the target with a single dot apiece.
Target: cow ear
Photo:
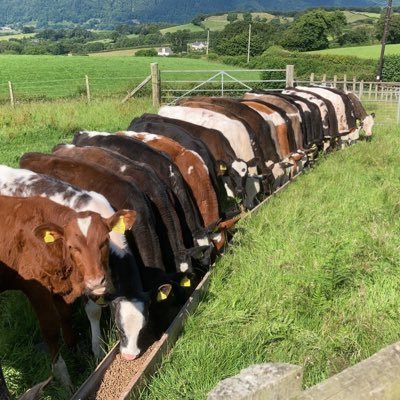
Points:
(49, 233)
(253, 162)
(222, 167)
(121, 221)
(373, 115)
(163, 292)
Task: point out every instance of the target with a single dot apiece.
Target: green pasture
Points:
(17, 36)
(372, 52)
(355, 16)
(189, 27)
(51, 77)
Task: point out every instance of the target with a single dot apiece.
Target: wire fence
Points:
(175, 84)
(380, 97)
(15, 92)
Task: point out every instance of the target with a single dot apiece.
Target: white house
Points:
(164, 51)
(199, 46)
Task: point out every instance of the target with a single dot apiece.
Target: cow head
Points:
(130, 317)
(367, 124)
(85, 247)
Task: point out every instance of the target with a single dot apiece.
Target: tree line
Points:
(315, 29)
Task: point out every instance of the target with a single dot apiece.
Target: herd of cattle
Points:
(134, 219)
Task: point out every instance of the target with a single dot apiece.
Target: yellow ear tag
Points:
(100, 301)
(48, 237)
(222, 167)
(185, 282)
(120, 226)
(161, 296)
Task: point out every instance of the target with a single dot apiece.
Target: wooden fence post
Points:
(369, 90)
(345, 82)
(312, 78)
(354, 84)
(155, 84)
(361, 89)
(323, 82)
(334, 81)
(87, 88)
(10, 89)
(289, 75)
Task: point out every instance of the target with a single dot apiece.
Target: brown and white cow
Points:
(214, 117)
(54, 255)
(193, 170)
(366, 120)
(129, 309)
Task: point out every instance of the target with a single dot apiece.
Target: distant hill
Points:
(120, 11)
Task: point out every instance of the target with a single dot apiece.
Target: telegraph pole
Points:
(208, 40)
(248, 45)
(384, 38)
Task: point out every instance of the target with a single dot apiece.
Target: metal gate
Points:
(176, 84)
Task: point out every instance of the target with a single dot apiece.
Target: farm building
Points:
(165, 51)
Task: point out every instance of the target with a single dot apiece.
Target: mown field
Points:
(312, 279)
(51, 77)
(371, 52)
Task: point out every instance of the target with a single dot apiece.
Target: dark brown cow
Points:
(168, 224)
(121, 194)
(193, 170)
(54, 255)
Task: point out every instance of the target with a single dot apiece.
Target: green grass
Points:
(49, 77)
(372, 52)
(189, 27)
(354, 16)
(17, 36)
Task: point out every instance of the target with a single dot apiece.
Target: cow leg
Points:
(50, 326)
(93, 312)
(65, 313)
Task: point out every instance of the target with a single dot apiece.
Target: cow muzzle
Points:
(97, 287)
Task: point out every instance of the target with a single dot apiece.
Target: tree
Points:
(28, 29)
(198, 20)
(247, 17)
(233, 40)
(178, 40)
(394, 29)
(308, 32)
(232, 17)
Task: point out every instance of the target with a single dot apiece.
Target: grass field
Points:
(117, 53)
(371, 52)
(312, 279)
(354, 16)
(189, 27)
(17, 36)
(49, 77)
